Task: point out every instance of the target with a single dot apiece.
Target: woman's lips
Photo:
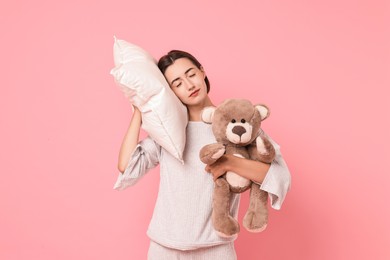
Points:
(195, 93)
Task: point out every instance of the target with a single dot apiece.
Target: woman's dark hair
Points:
(168, 59)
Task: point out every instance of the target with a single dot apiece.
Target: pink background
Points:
(322, 67)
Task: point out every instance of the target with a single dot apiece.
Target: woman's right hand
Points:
(135, 109)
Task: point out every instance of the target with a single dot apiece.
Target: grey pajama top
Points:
(182, 214)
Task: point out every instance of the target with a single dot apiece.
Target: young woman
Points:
(181, 226)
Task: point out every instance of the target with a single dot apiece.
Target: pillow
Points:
(164, 117)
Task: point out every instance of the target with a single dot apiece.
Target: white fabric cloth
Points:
(218, 252)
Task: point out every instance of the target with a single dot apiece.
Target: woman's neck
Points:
(194, 111)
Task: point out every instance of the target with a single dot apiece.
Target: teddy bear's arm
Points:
(211, 153)
(262, 150)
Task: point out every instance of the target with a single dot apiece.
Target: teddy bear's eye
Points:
(233, 121)
(243, 121)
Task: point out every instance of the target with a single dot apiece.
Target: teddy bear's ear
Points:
(207, 114)
(264, 111)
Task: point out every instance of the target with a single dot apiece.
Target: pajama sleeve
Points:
(145, 157)
(277, 182)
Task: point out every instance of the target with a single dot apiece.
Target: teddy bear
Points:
(236, 127)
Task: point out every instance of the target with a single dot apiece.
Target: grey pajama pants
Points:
(218, 252)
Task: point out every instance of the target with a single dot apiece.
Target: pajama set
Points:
(181, 226)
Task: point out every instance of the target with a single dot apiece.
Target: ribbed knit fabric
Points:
(218, 252)
(182, 214)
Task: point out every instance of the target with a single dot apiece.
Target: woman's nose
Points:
(189, 84)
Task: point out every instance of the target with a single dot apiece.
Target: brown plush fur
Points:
(236, 126)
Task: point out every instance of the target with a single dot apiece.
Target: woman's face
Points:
(187, 81)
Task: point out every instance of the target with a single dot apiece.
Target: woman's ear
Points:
(202, 70)
(207, 114)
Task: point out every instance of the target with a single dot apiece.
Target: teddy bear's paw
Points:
(255, 222)
(224, 235)
(261, 146)
(227, 227)
(258, 230)
(217, 154)
(210, 153)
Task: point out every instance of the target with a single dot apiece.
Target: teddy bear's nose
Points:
(239, 130)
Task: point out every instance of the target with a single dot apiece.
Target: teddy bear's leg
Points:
(224, 224)
(256, 217)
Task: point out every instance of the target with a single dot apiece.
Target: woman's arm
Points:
(275, 178)
(250, 169)
(130, 140)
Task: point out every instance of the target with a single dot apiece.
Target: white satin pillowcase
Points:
(164, 117)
